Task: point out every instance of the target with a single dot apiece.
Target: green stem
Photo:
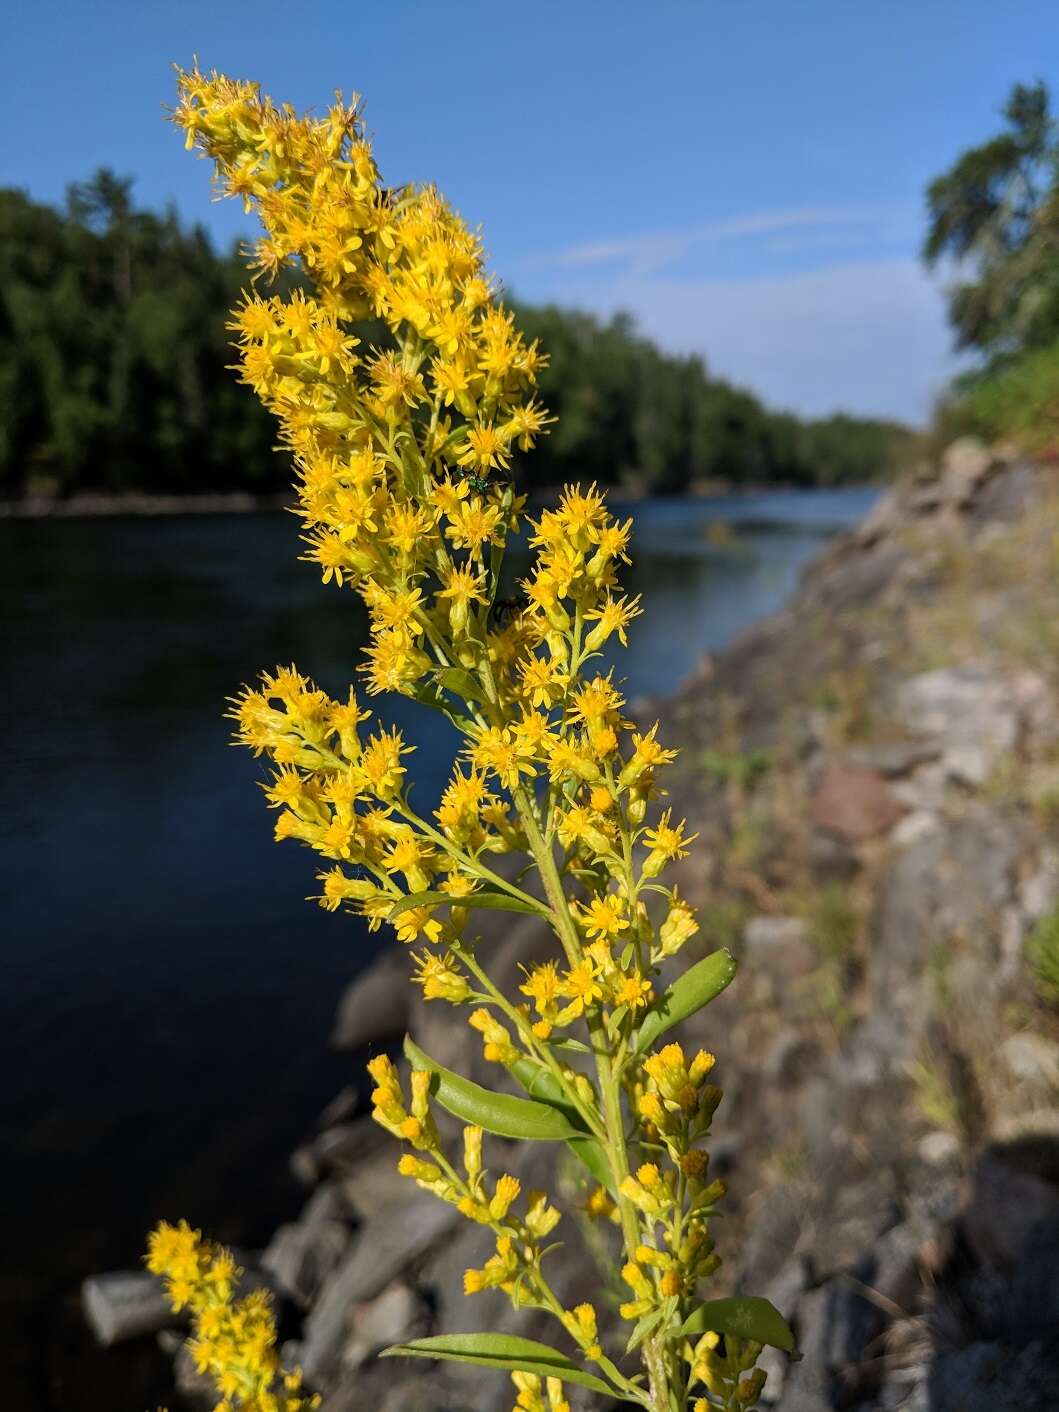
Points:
(539, 1051)
(567, 932)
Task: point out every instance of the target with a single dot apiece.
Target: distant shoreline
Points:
(237, 502)
(242, 502)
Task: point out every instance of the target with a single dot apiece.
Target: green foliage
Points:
(996, 212)
(687, 996)
(740, 768)
(113, 350)
(499, 1113)
(1019, 399)
(500, 1351)
(741, 1316)
(1042, 952)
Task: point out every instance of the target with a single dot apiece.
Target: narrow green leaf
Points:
(574, 1045)
(499, 1113)
(642, 1328)
(505, 1352)
(539, 1083)
(688, 994)
(491, 901)
(744, 1316)
(460, 682)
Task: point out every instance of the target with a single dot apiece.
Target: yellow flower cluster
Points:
(233, 1340)
(539, 1394)
(727, 1371)
(402, 448)
(520, 1239)
(403, 435)
(676, 1107)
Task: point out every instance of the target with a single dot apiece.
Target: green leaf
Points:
(498, 1113)
(688, 994)
(460, 682)
(505, 1352)
(744, 1316)
(644, 1326)
(492, 901)
(539, 1083)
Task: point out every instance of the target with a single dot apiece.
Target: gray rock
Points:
(970, 710)
(340, 1109)
(965, 464)
(1038, 893)
(832, 859)
(807, 1386)
(125, 1303)
(375, 1008)
(913, 827)
(300, 1257)
(304, 1167)
(342, 1149)
(329, 1202)
(881, 519)
(767, 933)
(784, 1292)
(883, 1284)
(400, 1235)
(1033, 1059)
(789, 1059)
(396, 1315)
(374, 1183)
(892, 760)
(939, 1149)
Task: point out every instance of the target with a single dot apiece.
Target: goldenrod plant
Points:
(403, 453)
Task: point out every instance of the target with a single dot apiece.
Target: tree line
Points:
(113, 377)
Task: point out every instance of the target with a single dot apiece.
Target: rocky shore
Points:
(875, 773)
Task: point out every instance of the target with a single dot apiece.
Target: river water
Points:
(167, 992)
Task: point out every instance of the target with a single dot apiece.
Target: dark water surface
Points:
(167, 992)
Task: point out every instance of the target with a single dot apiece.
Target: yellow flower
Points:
(612, 616)
(473, 525)
(486, 446)
(581, 985)
(665, 842)
(500, 752)
(462, 588)
(604, 916)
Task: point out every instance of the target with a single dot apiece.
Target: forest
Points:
(113, 356)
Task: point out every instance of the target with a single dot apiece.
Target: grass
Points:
(1042, 954)
(740, 768)
(1020, 403)
(935, 1097)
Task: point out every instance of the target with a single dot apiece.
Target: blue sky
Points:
(744, 176)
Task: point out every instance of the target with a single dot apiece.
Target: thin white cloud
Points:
(867, 337)
(653, 251)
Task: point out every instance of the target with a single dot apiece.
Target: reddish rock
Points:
(855, 803)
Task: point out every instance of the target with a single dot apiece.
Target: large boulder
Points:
(374, 1008)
